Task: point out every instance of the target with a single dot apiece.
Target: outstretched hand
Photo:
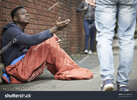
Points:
(60, 25)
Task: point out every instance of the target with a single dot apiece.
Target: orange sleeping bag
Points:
(49, 54)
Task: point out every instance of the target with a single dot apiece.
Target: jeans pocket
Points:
(106, 5)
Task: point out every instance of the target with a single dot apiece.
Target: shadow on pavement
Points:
(43, 78)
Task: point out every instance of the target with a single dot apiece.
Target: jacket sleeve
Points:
(81, 6)
(30, 40)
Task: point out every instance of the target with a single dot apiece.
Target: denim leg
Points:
(105, 19)
(127, 23)
(87, 33)
(92, 34)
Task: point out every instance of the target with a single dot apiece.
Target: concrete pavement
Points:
(46, 81)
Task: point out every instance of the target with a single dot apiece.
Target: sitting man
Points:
(27, 55)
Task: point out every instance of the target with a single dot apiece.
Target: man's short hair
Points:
(13, 12)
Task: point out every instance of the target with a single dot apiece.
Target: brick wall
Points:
(42, 18)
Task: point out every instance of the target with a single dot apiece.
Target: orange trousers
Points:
(50, 54)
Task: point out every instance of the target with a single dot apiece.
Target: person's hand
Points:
(91, 2)
(59, 25)
(85, 8)
(59, 42)
(62, 24)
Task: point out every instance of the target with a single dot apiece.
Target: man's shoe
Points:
(86, 51)
(107, 85)
(90, 52)
(123, 87)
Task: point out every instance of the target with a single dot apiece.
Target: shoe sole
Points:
(108, 87)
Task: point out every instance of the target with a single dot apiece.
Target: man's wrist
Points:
(53, 30)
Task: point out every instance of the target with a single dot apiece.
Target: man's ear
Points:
(15, 18)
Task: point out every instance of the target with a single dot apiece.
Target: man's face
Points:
(22, 16)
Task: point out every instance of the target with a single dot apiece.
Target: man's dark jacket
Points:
(89, 13)
(16, 43)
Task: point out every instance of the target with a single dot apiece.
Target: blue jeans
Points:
(89, 33)
(105, 19)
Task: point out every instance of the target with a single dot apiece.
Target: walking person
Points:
(105, 20)
(89, 25)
